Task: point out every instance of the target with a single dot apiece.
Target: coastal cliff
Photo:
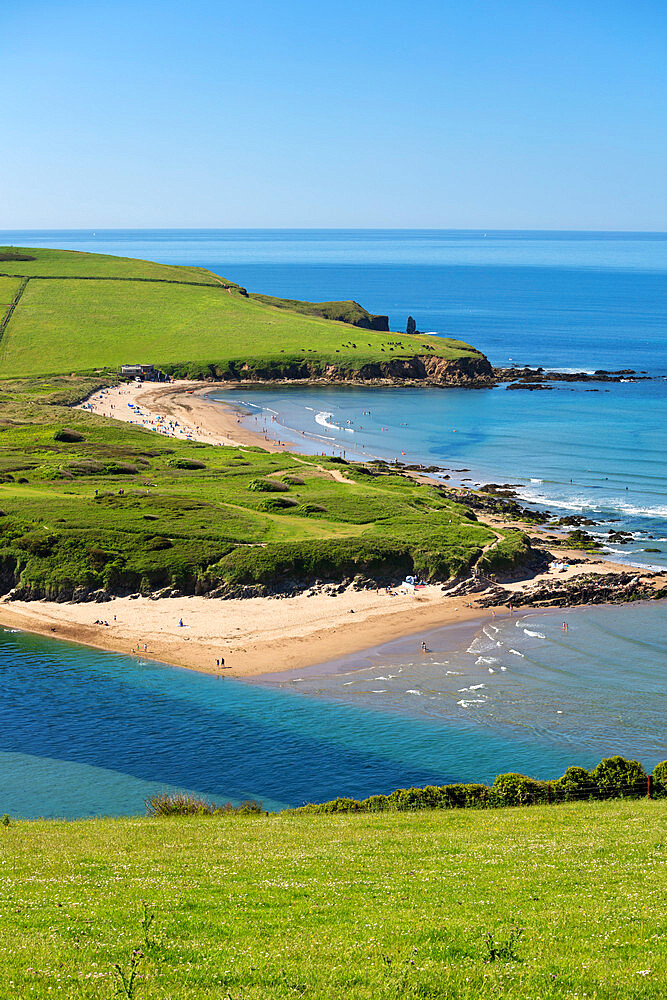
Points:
(470, 371)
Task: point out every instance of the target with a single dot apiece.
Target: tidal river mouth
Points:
(87, 733)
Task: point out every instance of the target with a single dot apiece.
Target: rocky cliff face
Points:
(467, 371)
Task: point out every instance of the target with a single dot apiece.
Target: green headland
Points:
(70, 312)
(91, 506)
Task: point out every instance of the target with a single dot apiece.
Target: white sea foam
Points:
(452, 673)
(467, 702)
(412, 691)
(536, 635)
(381, 678)
(323, 419)
(491, 670)
(379, 691)
(503, 668)
(482, 660)
(537, 480)
(516, 653)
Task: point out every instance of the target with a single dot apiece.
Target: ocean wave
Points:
(467, 702)
(516, 653)
(379, 691)
(322, 418)
(412, 691)
(536, 635)
(483, 660)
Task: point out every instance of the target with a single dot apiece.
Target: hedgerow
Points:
(614, 777)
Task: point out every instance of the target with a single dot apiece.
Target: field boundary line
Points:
(13, 304)
(92, 277)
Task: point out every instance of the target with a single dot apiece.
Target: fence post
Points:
(649, 782)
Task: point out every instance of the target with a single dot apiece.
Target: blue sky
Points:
(467, 114)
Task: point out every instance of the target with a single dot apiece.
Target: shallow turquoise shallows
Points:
(83, 732)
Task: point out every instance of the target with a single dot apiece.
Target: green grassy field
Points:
(82, 322)
(125, 509)
(347, 312)
(72, 263)
(522, 904)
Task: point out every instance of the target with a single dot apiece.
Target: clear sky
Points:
(348, 113)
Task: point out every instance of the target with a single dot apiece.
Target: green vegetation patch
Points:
(72, 318)
(45, 263)
(74, 485)
(536, 902)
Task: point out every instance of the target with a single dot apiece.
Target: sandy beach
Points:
(177, 409)
(256, 635)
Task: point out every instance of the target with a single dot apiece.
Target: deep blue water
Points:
(84, 732)
(594, 300)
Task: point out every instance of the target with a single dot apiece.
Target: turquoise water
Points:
(84, 732)
(595, 687)
(569, 450)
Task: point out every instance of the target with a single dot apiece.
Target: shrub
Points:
(518, 790)
(660, 777)
(67, 435)
(159, 544)
(180, 804)
(86, 467)
(618, 776)
(120, 469)
(576, 783)
(267, 486)
(276, 503)
(186, 463)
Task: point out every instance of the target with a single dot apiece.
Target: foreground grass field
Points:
(527, 904)
(87, 503)
(80, 312)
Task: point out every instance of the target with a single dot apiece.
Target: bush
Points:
(120, 469)
(660, 777)
(67, 435)
(179, 804)
(576, 783)
(267, 486)
(518, 790)
(617, 776)
(276, 503)
(159, 544)
(186, 463)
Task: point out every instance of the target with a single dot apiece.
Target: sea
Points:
(86, 733)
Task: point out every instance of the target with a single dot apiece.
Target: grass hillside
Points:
(108, 505)
(43, 263)
(82, 312)
(347, 311)
(538, 903)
